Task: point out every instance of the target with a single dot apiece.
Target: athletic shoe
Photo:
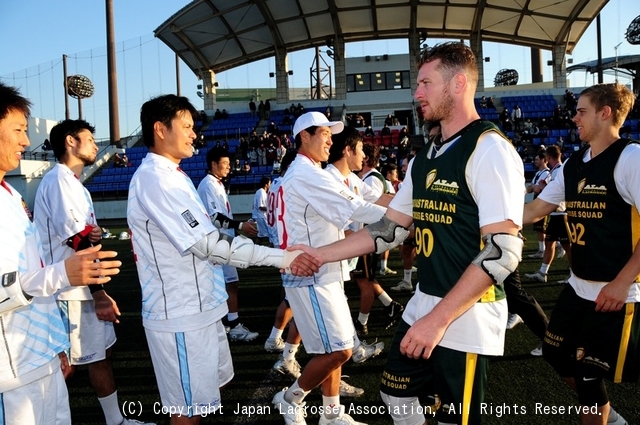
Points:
(347, 390)
(342, 419)
(365, 351)
(513, 321)
(274, 345)
(615, 418)
(128, 421)
(537, 352)
(292, 413)
(387, 271)
(560, 252)
(393, 312)
(538, 254)
(361, 329)
(241, 333)
(402, 286)
(290, 368)
(538, 275)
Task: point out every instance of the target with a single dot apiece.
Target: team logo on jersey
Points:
(431, 177)
(346, 195)
(443, 186)
(189, 218)
(591, 189)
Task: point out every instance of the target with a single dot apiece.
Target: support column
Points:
(282, 76)
(559, 67)
(536, 65)
(209, 89)
(476, 47)
(339, 68)
(414, 49)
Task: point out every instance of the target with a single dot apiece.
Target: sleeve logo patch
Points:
(189, 218)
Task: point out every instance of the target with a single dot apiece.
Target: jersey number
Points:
(576, 232)
(424, 242)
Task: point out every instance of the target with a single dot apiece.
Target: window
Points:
(374, 81)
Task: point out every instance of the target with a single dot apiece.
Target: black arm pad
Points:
(221, 221)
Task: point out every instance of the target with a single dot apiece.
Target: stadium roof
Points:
(223, 34)
(629, 62)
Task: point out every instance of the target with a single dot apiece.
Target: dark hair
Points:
(387, 168)
(350, 136)
(287, 159)
(11, 100)
(372, 153)
(264, 181)
(454, 58)
(311, 130)
(65, 128)
(215, 154)
(163, 109)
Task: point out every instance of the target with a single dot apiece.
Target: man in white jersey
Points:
(175, 246)
(259, 211)
(539, 181)
(32, 387)
(319, 305)
(592, 335)
(214, 197)
(66, 222)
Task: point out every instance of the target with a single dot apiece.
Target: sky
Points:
(36, 33)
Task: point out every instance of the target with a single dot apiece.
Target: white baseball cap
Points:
(316, 119)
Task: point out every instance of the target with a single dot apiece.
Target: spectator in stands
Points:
(252, 108)
(557, 116)
(287, 119)
(271, 154)
(117, 160)
(368, 132)
(125, 160)
(517, 117)
(262, 155)
(237, 167)
(299, 109)
(483, 102)
(224, 114)
(560, 143)
(281, 150)
(389, 120)
(505, 120)
(490, 104)
(385, 130)
(293, 110)
(276, 166)
(253, 156)
(217, 115)
(261, 110)
(267, 109)
(573, 137)
(246, 168)
(271, 128)
(570, 101)
(327, 112)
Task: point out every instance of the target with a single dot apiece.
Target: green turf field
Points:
(518, 382)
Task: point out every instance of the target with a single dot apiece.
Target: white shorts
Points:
(230, 274)
(190, 368)
(322, 316)
(44, 401)
(90, 337)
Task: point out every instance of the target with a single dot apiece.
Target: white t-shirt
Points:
(214, 197)
(314, 210)
(180, 292)
(495, 176)
(259, 201)
(63, 208)
(627, 177)
(32, 335)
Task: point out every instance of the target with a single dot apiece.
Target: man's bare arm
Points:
(537, 210)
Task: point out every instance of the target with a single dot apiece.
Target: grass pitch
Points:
(522, 389)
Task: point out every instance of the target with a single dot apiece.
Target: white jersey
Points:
(314, 210)
(499, 195)
(627, 178)
(357, 186)
(259, 201)
(214, 197)
(180, 292)
(32, 336)
(63, 208)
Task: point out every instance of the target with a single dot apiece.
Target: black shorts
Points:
(366, 267)
(582, 342)
(443, 374)
(540, 225)
(557, 229)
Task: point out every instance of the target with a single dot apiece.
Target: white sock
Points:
(232, 316)
(295, 394)
(407, 275)
(541, 246)
(276, 333)
(544, 268)
(383, 264)
(331, 406)
(111, 410)
(290, 350)
(385, 299)
(363, 318)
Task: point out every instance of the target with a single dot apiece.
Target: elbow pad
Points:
(11, 294)
(240, 252)
(386, 234)
(214, 247)
(500, 256)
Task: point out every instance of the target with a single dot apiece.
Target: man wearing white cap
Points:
(313, 208)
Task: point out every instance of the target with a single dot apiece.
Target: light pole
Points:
(616, 69)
